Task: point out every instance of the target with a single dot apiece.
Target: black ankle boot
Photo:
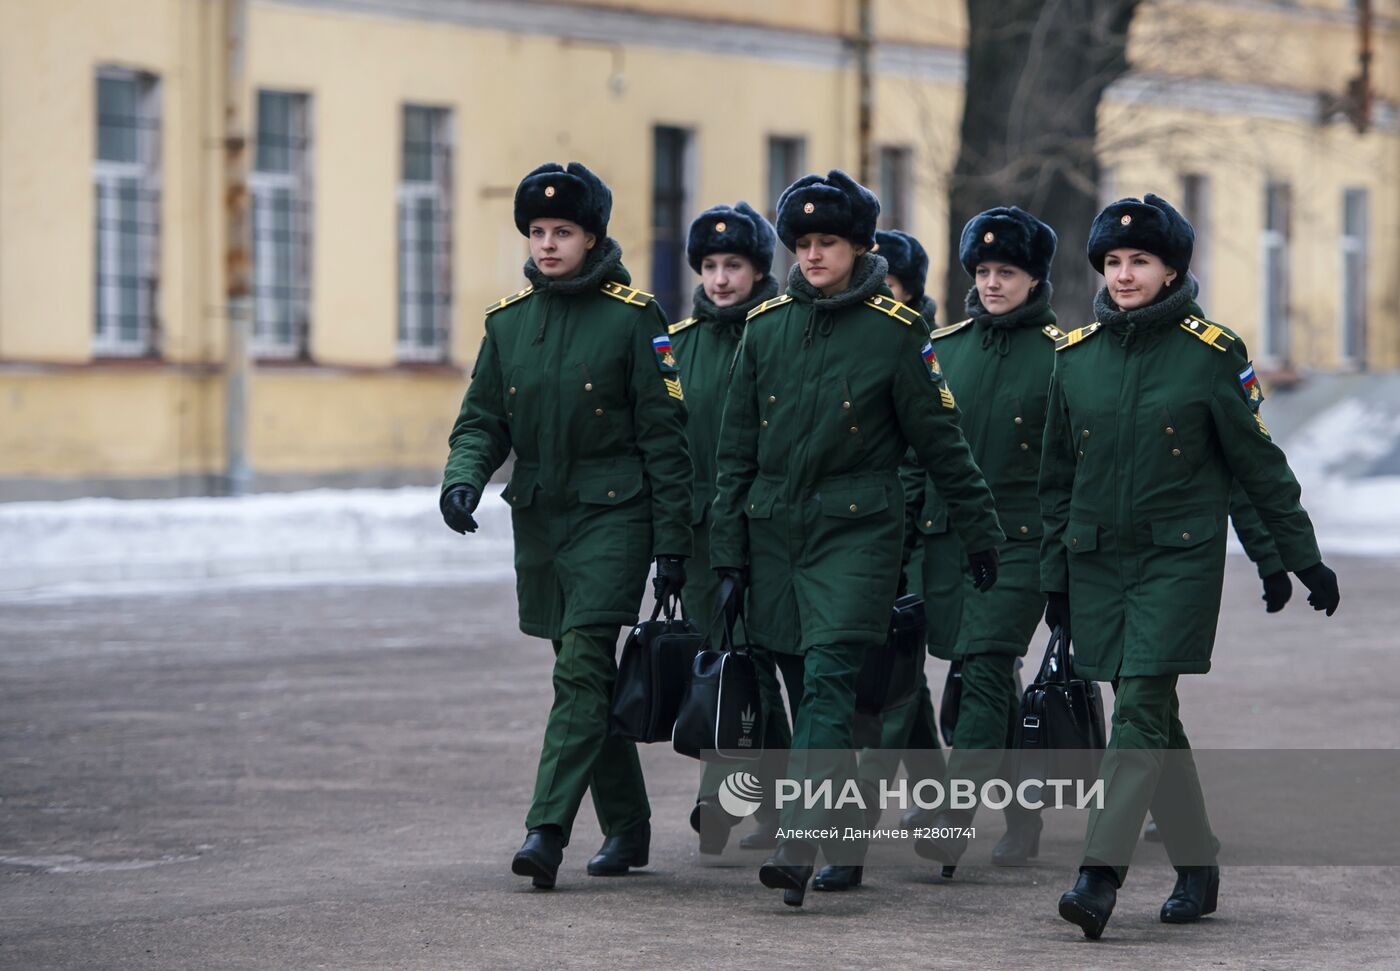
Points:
(539, 856)
(946, 849)
(837, 878)
(1091, 900)
(709, 819)
(1021, 841)
(788, 870)
(621, 852)
(1195, 894)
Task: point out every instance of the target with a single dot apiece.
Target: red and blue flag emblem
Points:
(665, 355)
(931, 362)
(1253, 390)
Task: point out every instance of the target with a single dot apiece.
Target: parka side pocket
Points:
(1081, 537)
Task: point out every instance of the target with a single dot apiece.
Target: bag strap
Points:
(1056, 650)
(720, 621)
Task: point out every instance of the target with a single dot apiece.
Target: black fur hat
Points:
(732, 229)
(908, 262)
(554, 192)
(836, 204)
(1151, 224)
(1007, 234)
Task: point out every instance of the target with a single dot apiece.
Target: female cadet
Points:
(1153, 413)
(576, 375)
(731, 247)
(908, 727)
(998, 362)
(832, 383)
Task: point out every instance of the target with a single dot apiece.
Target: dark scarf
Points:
(996, 328)
(927, 309)
(867, 279)
(1171, 306)
(603, 263)
(730, 320)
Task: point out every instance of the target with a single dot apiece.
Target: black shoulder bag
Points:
(652, 672)
(721, 715)
(1061, 733)
(890, 675)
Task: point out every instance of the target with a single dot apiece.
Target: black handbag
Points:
(651, 674)
(890, 675)
(1061, 733)
(950, 703)
(721, 716)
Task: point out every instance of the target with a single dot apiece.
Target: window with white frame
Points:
(1278, 217)
(126, 197)
(425, 219)
(1356, 205)
(1195, 203)
(281, 197)
(896, 187)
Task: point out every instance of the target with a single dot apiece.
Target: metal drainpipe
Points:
(238, 472)
(865, 41)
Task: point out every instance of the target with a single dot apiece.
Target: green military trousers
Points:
(987, 715)
(578, 753)
(909, 728)
(1148, 766)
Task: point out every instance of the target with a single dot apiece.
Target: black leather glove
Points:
(903, 587)
(1322, 587)
(1277, 590)
(984, 569)
(740, 579)
(670, 576)
(1057, 611)
(457, 504)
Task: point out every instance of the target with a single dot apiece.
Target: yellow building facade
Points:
(387, 136)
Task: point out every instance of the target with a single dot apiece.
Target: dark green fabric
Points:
(825, 399)
(568, 378)
(909, 728)
(945, 585)
(1148, 766)
(578, 753)
(1145, 438)
(987, 718)
(1254, 536)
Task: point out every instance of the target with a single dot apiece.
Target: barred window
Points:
(896, 187)
(1356, 218)
(1278, 232)
(281, 197)
(672, 179)
(126, 185)
(425, 239)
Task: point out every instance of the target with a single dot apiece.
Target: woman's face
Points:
(558, 247)
(897, 288)
(827, 261)
(728, 278)
(1002, 287)
(1135, 277)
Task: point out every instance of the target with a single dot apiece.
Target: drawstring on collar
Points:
(1128, 333)
(1000, 337)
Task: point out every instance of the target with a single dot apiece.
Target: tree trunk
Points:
(1036, 72)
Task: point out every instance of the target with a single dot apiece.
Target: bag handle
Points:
(1057, 650)
(721, 621)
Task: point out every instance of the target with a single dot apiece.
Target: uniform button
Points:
(1081, 453)
(512, 391)
(598, 412)
(510, 414)
(772, 400)
(763, 423)
(1017, 419)
(1185, 535)
(846, 405)
(612, 494)
(1074, 541)
(1176, 452)
(854, 429)
(514, 498)
(1025, 530)
(1171, 430)
(1025, 446)
(928, 524)
(1086, 433)
(588, 386)
(854, 507)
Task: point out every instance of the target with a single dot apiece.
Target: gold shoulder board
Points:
(637, 298)
(1052, 332)
(1075, 336)
(950, 329)
(680, 325)
(777, 301)
(1213, 334)
(893, 308)
(507, 301)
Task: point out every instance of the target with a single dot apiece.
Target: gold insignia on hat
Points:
(1126, 219)
(549, 192)
(809, 208)
(719, 227)
(988, 237)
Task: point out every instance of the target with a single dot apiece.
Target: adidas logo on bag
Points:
(747, 717)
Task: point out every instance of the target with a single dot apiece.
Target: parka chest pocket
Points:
(854, 502)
